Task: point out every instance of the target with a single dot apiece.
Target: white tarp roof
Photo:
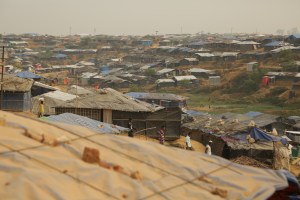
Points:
(191, 59)
(199, 70)
(60, 95)
(32, 168)
(283, 49)
(205, 54)
(166, 70)
(85, 63)
(164, 81)
(181, 78)
(88, 74)
(294, 132)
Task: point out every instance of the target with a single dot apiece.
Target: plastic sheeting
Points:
(259, 134)
(31, 170)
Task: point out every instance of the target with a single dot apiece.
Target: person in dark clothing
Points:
(130, 126)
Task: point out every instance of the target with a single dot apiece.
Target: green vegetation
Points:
(290, 66)
(200, 100)
(184, 83)
(47, 54)
(85, 42)
(286, 56)
(149, 72)
(277, 91)
(245, 83)
(134, 88)
(273, 100)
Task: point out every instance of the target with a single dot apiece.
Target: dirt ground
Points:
(295, 169)
(179, 143)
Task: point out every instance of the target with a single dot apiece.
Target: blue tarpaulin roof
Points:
(253, 114)
(297, 36)
(99, 127)
(138, 94)
(60, 55)
(274, 44)
(259, 134)
(27, 75)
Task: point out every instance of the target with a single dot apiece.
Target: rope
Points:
(187, 182)
(131, 158)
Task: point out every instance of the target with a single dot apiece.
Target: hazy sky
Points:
(141, 17)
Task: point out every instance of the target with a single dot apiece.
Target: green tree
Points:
(246, 82)
(85, 42)
(286, 56)
(149, 72)
(184, 83)
(47, 54)
(290, 66)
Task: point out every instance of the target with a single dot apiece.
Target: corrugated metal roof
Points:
(161, 96)
(99, 127)
(44, 86)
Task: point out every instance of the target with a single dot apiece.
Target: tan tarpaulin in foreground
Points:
(31, 169)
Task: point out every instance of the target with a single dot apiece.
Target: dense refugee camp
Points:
(136, 100)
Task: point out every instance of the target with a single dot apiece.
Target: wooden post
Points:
(2, 67)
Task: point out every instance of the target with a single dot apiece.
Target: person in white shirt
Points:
(208, 148)
(188, 142)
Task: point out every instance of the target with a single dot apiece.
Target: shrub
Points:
(277, 91)
(245, 83)
(134, 88)
(272, 100)
(150, 72)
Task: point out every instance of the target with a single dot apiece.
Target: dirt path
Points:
(179, 143)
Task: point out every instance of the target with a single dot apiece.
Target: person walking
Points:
(161, 134)
(208, 148)
(188, 143)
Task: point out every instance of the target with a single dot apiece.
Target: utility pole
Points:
(2, 72)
